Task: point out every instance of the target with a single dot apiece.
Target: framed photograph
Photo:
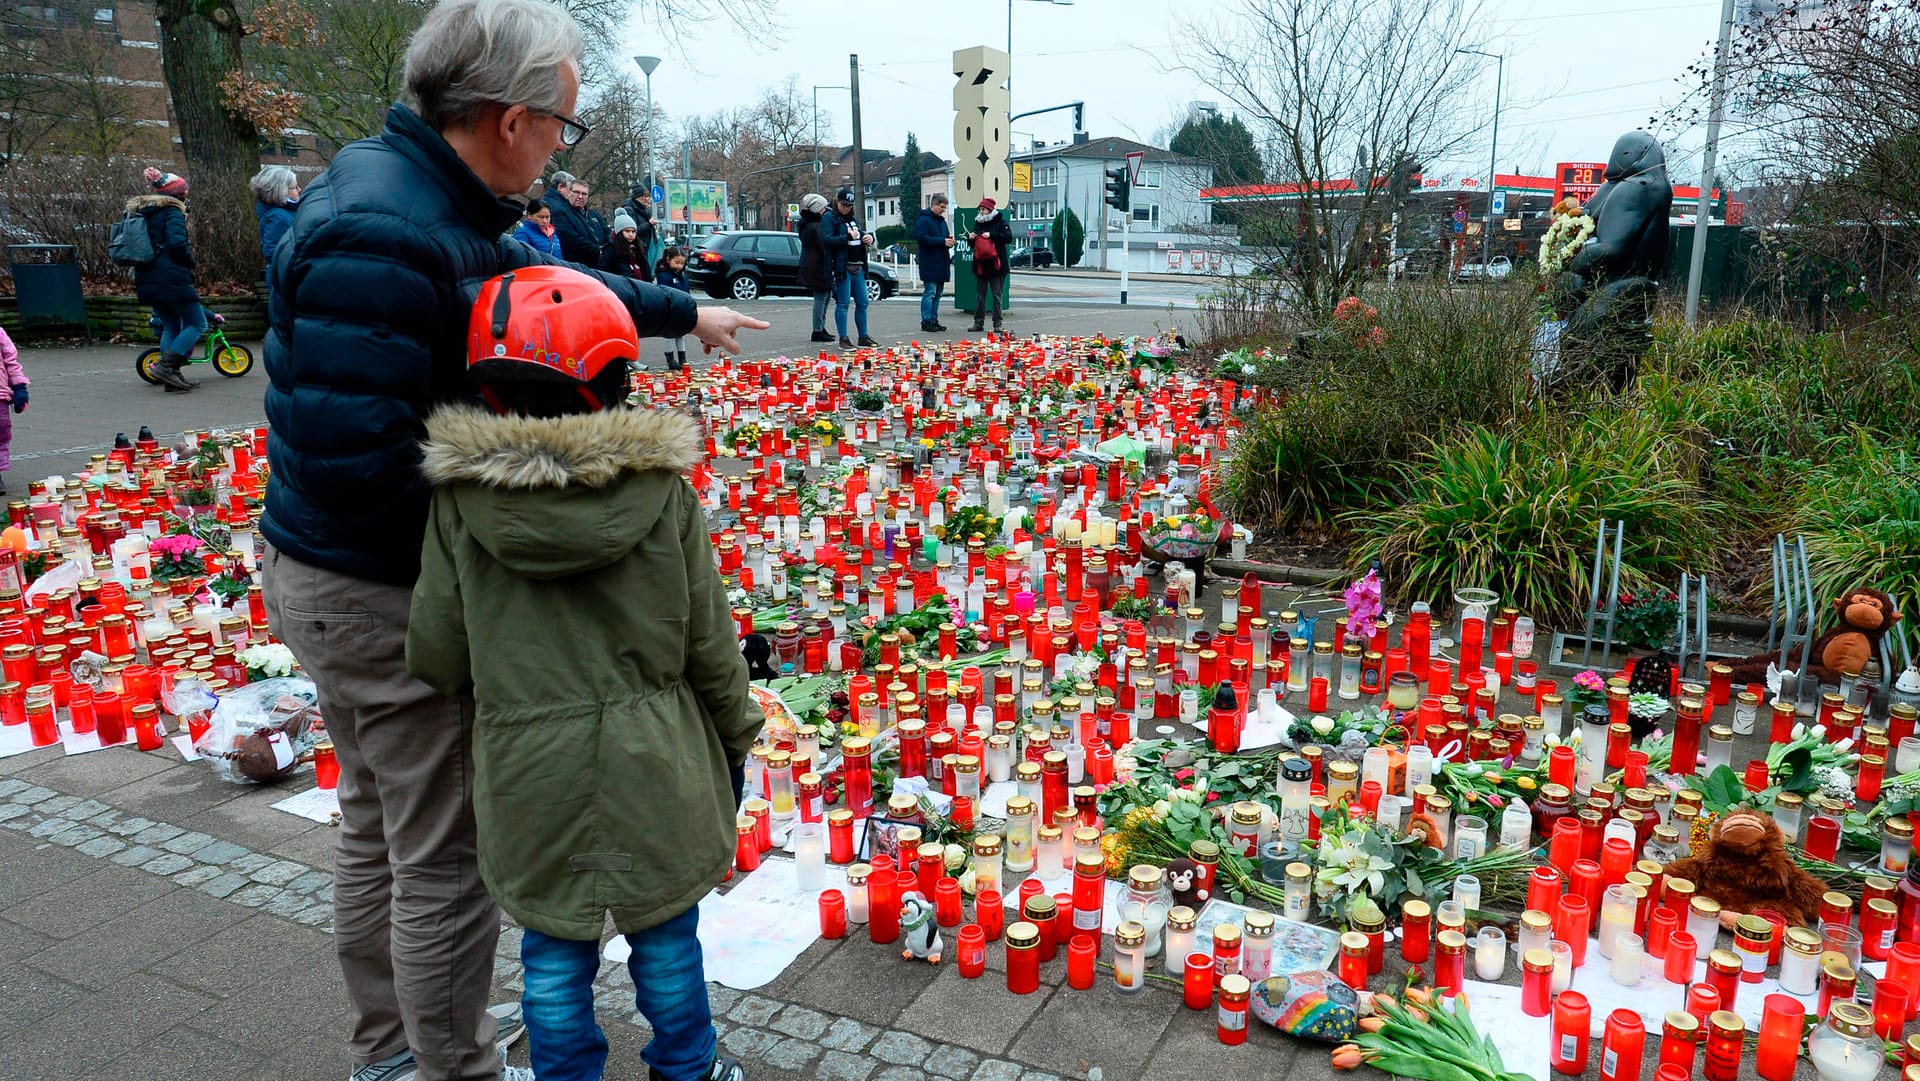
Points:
(883, 838)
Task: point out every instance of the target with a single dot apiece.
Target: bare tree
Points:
(763, 151)
(613, 156)
(1338, 93)
(1829, 93)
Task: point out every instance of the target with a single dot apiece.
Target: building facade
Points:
(1167, 211)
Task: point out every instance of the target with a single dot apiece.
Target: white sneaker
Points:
(398, 1067)
(510, 1024)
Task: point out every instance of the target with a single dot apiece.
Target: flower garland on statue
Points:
(1571, 229)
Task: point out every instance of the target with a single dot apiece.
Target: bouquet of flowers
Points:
(1588, 689)
(1571, 229)
(1363, 605)
(267, 661)
(1185, 536)
(968, 522)
(821, 429)
(1085, 391)
(177, 556)
(747, 436)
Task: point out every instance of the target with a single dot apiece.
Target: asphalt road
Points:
(82, 395)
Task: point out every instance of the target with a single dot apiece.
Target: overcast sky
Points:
(1575, 79)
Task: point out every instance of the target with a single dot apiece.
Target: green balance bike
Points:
(230, 360)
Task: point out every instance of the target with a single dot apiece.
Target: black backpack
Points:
(130, 244)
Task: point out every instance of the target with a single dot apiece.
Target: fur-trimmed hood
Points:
(470, 445)
(154, 202)
(550, 497)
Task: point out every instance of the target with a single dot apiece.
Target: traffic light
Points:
(1119, 192)
(1406, 177)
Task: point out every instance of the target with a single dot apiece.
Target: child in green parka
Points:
(568, 585)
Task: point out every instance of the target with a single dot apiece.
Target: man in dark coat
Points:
(165, 283)
(372, 292)
(813, 262)
(639, 207)
(570, 223)
(935, 258)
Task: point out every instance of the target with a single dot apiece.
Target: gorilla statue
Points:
(1611, 284)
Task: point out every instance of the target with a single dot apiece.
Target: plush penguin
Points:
(918, 926)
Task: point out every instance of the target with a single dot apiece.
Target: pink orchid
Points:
(1363, 605)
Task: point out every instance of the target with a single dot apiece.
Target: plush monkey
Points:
(1865, 617)
(1745, 866)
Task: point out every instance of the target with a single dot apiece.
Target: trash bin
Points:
(46, 279)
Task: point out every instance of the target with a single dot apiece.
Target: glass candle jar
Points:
(1235, 993)
(1627, 965)
(1295, 800)
(1147, 902)
(1800, 962)
(1298, 898)
(987, 862)
(1725, 1033)
(1536, 930)
(1450, 962)
(1896, 846)
(1353, 960)
(1703, 923)
(1023, 958)
(1466, 892)
(1179, 940)
(1226, 951)
(1129, 958)
(1782, 1020)
(1622, 1046)
(1350, 671)
(1845, 1047)
(1536, 982)
(1572, 1017)
(1617, 911)
(1256, 958)
(1469, 837)
(1490, 954)
(1416, 931)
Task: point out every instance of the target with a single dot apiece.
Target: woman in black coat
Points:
(166, 282)
(813, 263)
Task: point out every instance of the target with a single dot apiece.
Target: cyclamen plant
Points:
(176, 556)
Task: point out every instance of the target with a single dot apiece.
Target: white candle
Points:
(996, 499)
(1490, 954)
(810, 857)
(1626, 967)
(1841, 1060)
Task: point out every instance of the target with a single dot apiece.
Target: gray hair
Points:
(562, 181)
(470, 54)
(273, 184)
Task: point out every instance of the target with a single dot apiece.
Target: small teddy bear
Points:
(921, 932)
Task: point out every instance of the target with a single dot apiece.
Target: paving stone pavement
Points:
(157, 923)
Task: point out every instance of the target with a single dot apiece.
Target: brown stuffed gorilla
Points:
(1866, 615)
(1746, 867)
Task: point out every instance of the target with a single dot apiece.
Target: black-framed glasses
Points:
(571, 130)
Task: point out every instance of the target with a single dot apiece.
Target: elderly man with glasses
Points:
(371, 294)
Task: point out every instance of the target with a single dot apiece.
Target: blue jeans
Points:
(854, 282)
(670, 988)
(930, 301)
(180, 326)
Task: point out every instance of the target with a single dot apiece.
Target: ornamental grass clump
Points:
(1860, 515)
(1518, 513)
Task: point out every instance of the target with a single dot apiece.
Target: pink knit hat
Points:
(167, 183)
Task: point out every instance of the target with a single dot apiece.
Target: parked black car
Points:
(752, 263)
(1038, 258)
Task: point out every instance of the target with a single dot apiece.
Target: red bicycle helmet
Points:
(545, 328)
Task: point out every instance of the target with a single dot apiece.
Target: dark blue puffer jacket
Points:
(371, 292)
(168, 279)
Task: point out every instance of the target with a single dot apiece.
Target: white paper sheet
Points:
(15, 739)
(83, 742)
(315, 804)
(749, 935)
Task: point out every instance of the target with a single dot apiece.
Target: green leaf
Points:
(1415, 885)
(1723, 788)
(1797, 764)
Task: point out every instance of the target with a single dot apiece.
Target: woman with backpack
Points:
(163, 280)
(990, 239)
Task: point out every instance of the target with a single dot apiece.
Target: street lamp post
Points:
(1057, 3)
(1493, 163)
(647, 64)
(816, 122)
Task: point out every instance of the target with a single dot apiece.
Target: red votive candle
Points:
(1197, 988)
(1570, 924)
(1081, 953)
(833, 914)
(1680, 957)
(947, 910)
(1317, 695)
(970, 951)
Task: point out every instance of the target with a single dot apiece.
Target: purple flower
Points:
(1363, 605)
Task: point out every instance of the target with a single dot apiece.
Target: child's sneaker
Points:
(724, 1068)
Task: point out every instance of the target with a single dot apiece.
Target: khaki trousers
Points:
(412, 923)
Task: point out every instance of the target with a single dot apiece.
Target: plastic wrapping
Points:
(255, 734)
